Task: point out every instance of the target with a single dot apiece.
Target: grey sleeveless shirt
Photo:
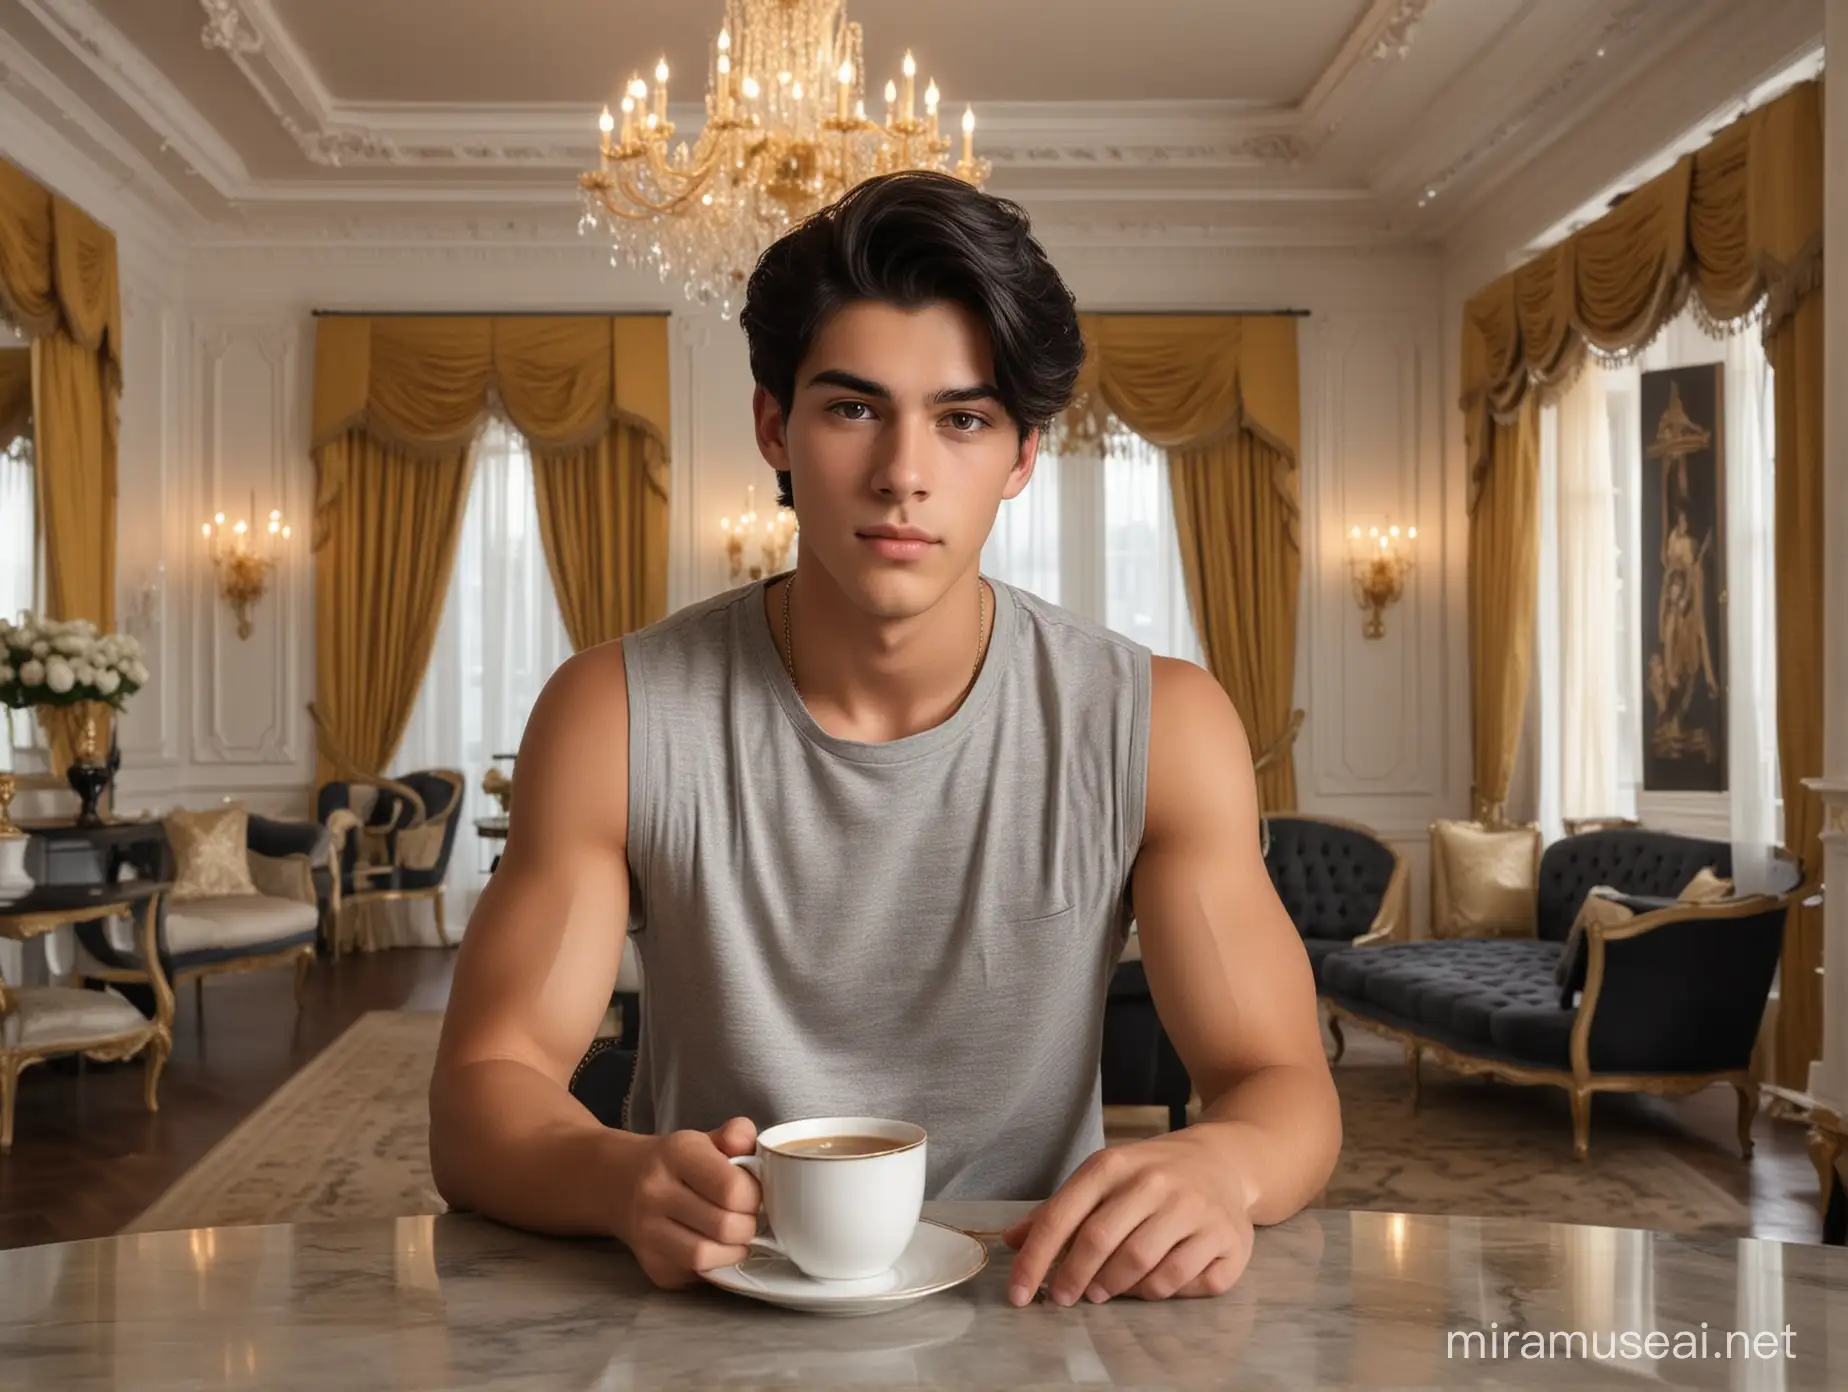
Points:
(921, 929)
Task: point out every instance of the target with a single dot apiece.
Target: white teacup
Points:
(839, 1216)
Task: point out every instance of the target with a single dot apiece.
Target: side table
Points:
(37, 1022)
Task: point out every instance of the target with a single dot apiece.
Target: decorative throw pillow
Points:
(1485, 883)
(210, 853)
(1705, 888)
(1604, 906)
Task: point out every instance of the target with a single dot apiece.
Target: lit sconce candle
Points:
(749, 87)
(628, 119)
(931, 98)
(968, 124)
(660, 94)
(911, 72)
(1380, 562)
(891, 96)
(844, 94)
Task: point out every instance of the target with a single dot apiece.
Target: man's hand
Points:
(1155, 1219)
(687, 1208)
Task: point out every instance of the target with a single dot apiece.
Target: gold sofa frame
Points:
(156, 1037)
(1579, 1081)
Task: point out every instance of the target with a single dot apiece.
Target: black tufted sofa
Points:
(1341, 885)
(1669, 1001)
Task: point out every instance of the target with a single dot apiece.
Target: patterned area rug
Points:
(346, 1138)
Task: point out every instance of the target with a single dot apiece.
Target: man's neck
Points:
(873, 679)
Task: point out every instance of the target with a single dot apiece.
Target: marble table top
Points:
(1332, 1299)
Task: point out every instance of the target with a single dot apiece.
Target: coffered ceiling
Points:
(1334, 121)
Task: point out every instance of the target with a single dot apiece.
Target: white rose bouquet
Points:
(44, 662)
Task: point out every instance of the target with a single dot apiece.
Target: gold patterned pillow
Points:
(1485, 882)
(210, 853)
(1705, 888)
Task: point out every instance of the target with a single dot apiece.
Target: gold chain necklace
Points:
(981, 634)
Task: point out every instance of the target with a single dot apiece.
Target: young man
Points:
(879, 828)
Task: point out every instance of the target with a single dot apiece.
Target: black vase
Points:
(90, 782)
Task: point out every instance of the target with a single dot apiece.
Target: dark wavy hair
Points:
(910, 239)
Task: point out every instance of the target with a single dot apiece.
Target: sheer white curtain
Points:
(1095, 533)
(1023, 547)
(1581, 773)
(499, 640)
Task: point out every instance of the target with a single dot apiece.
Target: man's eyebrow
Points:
(837, 377)
(834, 376)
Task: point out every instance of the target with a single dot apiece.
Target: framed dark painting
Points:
(1683, 565)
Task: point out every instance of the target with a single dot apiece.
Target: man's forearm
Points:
(510, 1143)
(1279, 1130)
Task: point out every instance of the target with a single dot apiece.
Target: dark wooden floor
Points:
(87, 1158)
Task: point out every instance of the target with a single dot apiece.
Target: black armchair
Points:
(391, 840)
(1340, 883)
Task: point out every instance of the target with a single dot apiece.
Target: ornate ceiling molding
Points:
(1393, 40)
(1151, 135)
(1620, 26)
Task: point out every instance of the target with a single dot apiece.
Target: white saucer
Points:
(937, 1258)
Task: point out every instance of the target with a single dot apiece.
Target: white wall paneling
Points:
(249, 690)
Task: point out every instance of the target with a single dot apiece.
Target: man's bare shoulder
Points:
(576, 750)
(1199, 757)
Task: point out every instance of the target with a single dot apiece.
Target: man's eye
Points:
(966, 421)
(841, 407)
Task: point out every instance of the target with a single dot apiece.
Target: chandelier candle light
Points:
(786, 134)
(1379, 563)
(243, 573)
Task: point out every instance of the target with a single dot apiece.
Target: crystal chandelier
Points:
(786, 134)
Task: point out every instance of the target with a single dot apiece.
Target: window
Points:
(499, 641)
(18, 571)
(1095, 533)
(1751, 810)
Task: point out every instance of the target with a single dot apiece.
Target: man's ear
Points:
(1023, 465)
(771, 429)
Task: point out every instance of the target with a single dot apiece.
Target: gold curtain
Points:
(386, 525)
(15, 393)
(603, 505)
(590, 396)
(1737, 225)
(1220, 394)
(58, 284)
(1504, 563)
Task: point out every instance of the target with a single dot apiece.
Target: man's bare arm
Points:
(1226, 966)
(1173, 1215)
(535, 971)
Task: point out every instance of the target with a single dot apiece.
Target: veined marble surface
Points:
(1332, 1299)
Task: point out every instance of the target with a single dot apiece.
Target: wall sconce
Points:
(243, 571)
(766, 538)
(1379, 563)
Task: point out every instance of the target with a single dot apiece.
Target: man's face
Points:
(896, 425)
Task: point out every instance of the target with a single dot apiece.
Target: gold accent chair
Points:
(40, 1022)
